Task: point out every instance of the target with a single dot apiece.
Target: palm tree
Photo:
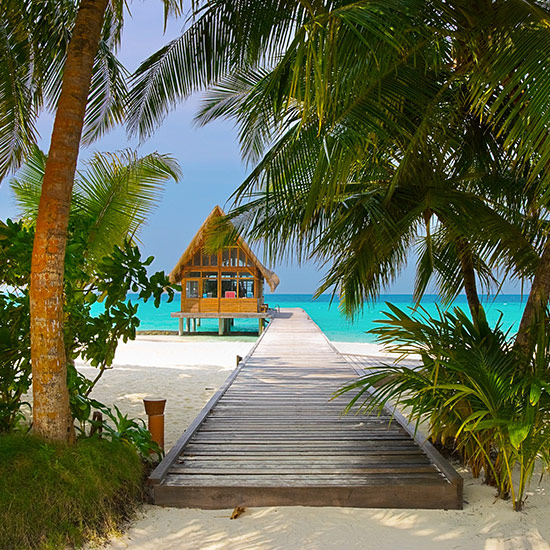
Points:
(34, 37)
(51, 50)
(114, 194)
(51, 413)
(379, 90)
(460, 234)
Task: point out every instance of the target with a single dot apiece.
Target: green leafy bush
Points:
(54, 496)
(470, 388)
(94, 337)
(110, 424)
(129, 431)
(15, 365)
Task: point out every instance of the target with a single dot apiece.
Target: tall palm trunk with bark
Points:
(536, 304)
(467, 269)
(468, 273)
(51, 413)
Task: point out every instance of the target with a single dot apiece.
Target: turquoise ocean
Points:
(327, 316)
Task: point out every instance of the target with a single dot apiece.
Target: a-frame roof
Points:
(198, 241)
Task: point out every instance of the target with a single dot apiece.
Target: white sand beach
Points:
(187, 372)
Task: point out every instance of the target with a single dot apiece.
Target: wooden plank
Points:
(261, 469)
(160, 472)
(373, 496)
(315, 447)
(305, 480)
(288, 458)
(360, 447)
(212, 313)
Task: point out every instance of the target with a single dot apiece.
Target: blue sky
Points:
(209, 157)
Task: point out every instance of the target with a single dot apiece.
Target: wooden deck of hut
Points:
(272, 436)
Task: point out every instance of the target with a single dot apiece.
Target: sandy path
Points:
(187, 372)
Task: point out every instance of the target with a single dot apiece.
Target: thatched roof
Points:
(198, 242)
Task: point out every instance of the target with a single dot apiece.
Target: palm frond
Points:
(17, 112)
(27, 185)
(108, 95)
(113, 195)
(117, 191)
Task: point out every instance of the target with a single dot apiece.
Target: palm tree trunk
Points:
(536, 303)
(468, 273)
(51, 413)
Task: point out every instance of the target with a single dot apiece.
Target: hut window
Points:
(234, 257)
(205, 259)
(229, 288)
(213, 259)
(246, 285)
(242, 258)
(197, 258)
(210, 285)
(225, 256)
(229, 285)
(246, 288)
(193, 275)
(192, 289)
(249, 262)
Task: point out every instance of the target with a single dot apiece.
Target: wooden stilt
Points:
(221, 326)
(194, 325)
(188, 325)
(260, 326)
(180, 326)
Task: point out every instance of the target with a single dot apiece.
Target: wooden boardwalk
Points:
(272, 436)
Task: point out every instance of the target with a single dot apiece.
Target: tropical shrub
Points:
(112, 198)
(92, 336)
(15, 367)
(470, 388)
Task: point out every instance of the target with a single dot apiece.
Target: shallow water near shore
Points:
(328, 317)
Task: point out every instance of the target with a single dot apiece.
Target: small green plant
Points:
(15, 366)
(129, 431)
(470, 388)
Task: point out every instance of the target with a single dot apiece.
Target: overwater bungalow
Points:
(224, 285)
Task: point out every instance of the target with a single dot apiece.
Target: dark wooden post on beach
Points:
(154, 407)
